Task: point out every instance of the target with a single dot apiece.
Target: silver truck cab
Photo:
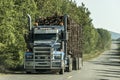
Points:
(47, 51)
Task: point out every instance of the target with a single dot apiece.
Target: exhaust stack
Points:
(29, 22)
(65, 33)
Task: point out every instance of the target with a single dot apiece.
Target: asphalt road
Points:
(104, 67)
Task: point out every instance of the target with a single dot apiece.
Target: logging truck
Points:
(53, 43)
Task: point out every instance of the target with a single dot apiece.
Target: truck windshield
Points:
(38, 37)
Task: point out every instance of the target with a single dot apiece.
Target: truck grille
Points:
(42, 57)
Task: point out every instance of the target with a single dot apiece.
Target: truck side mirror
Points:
(26, 37)
(63, 37)
(30, 36)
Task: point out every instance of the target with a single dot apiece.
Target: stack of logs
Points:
(75, 39)
(54, 20)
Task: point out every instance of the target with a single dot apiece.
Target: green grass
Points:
(90, 56)
(1, 74)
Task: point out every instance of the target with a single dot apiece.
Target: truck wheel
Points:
(76, 63)
(28, 72)
(69, 68)
(61, 71)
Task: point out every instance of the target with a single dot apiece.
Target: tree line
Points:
(13, 26)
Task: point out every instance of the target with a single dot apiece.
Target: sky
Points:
(105, 13)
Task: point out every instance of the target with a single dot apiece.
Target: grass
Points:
(90, 56)
(1, 74)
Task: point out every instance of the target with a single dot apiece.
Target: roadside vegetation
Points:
(118, 42)
(13, 26)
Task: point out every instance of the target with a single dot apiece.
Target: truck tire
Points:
(28, 72)
(77, 63)
(61, 71)
(69, 68)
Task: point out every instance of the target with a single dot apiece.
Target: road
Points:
(104, 67)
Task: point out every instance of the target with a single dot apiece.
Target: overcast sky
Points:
(105, 13)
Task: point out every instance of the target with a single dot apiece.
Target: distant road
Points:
(104, 67)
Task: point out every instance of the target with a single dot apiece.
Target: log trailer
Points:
(53, 43)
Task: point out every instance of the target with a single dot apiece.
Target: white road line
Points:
(69, 77)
